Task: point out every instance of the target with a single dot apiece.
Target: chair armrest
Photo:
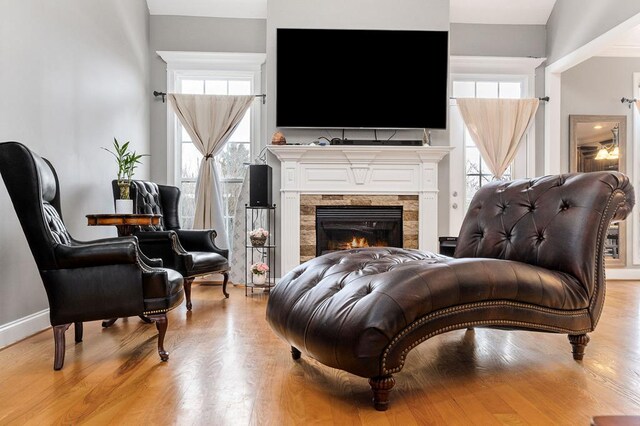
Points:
(154, 262)
(96, 253)
(200, 240)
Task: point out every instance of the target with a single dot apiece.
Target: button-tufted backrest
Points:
(33, 186)
(152, 198)
(556, 222)
(147, 200)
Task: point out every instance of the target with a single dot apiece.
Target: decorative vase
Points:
(257, 241)
(124, 189)
(259, 278)
(124, 206)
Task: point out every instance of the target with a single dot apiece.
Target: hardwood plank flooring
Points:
(228, 368)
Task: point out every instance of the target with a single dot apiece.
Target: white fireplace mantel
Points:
(357, 170)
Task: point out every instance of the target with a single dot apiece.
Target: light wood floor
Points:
(227, 367)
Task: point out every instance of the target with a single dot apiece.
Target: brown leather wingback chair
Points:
(84, 280)
(193, 253)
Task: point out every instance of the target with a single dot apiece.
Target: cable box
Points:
(391, 142)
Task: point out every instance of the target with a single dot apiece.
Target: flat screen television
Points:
(330, 78)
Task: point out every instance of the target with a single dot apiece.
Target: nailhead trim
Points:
(472, 307)
(601, 257)
(157, 311)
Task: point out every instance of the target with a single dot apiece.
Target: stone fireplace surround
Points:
(309, 202)
(314, 175)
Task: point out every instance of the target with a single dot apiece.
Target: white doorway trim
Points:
(553, 87)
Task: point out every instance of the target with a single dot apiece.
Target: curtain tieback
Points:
(206, 157)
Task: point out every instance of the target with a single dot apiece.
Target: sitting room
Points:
(295, 211)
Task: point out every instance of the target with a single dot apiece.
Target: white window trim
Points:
(205, 64)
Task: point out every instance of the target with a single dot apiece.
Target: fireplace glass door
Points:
(347, 227)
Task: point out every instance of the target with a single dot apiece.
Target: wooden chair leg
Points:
(295, 353)
(187, 292)
(578, 344)
(381, 386)
(77, 327)
(161, 325)
(58, 339)
(224, 284)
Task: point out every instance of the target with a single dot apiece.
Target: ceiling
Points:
(462, 11)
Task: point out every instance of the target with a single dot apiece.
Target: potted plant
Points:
(258, 237)
(127, 162)
(259, 272)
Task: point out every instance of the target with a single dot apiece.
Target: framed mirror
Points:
(598, 142)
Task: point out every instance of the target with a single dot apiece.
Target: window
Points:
(476, 170)
(229, 162)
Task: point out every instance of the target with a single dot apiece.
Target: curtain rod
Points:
(163, 94)
(543, 99)
(629, 101)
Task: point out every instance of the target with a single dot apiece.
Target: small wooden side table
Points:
(125, 223)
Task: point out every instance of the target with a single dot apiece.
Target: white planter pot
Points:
(124, 206)
(259, 278)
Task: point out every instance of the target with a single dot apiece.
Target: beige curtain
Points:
(638, 104)
(497, 127)
(209, 120)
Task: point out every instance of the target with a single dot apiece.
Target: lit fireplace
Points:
(347, 227)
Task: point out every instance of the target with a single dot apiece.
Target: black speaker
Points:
(260, 185)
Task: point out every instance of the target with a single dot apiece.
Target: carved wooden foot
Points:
(295, 353)
(58, 339)
(578, 343)
(187, 292)
(77, 327)
(109, 322)
(161, 325)
(224, 284)
(381, 386)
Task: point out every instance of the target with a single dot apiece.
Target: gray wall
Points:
(498, 40)
(185, 33)
(595, 87)
(573, 23)
(74, 75)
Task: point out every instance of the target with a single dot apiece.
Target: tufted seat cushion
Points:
(348, 306)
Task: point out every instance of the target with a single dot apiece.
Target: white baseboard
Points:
(23, 327)
(632, 274)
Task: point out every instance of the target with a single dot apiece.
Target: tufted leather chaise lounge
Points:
(529, 256)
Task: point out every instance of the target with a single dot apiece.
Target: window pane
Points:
(510, 90)
(239, 87)
(486, 89)
(187, 204)
(215, 87)
(190, 161)
(468, 140)
(230, 160)
(464, 89)
(472, 161)
(243, 131)
(192, 87)
(185, 135)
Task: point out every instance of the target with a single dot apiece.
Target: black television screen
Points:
(328, 78)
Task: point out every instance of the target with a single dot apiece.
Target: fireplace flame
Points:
(359, 243)
(355, 242)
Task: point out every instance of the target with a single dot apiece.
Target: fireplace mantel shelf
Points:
(359, 154)
(363, 170)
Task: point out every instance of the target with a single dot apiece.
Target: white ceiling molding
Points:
(508, 12)
(178, 60)
(256, 9)
(493, 65)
